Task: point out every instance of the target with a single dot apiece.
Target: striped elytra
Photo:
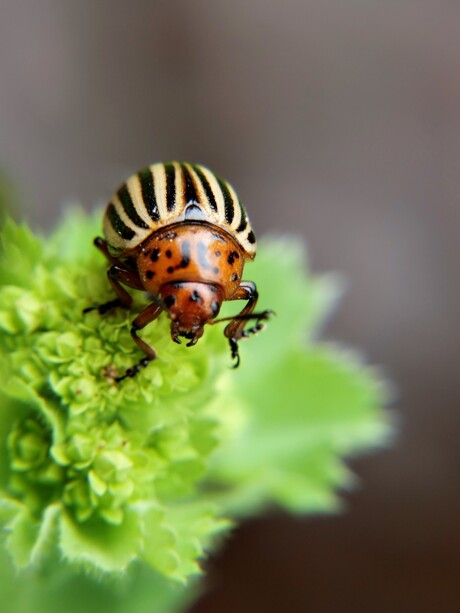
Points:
(169, 193)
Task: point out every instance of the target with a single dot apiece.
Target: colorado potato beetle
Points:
(179, 232)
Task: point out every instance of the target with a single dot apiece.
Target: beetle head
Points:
(190, 306)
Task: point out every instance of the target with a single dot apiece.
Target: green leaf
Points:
(23, 531)
(177, 537)
(288, 452)
(197, 527)
(149, 472)
(19, 390)
(20, 251)
(96, 544)
(46, 538)
(58, 588)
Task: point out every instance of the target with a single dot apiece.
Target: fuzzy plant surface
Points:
(112, 494)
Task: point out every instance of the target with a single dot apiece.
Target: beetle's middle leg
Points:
(117, 274)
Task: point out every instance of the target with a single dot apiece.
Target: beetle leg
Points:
(235, 329)
(117, 274)
(145, 317)
(101, 244)
(260, 316)
(259, 326)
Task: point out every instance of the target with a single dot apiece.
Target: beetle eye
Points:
(169, 301)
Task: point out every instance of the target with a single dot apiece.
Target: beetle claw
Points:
(237, 363)
(132, 372)
(235, 352)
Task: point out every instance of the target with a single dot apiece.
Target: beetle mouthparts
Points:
(192, 332)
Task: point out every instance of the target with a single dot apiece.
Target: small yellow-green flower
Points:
(102, 475)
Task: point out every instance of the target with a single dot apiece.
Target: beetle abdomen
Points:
(173, 192)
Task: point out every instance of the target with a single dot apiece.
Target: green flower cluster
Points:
(154, 468)
(112, 466)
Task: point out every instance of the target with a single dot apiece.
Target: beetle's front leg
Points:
(145, 317)
(235, 329)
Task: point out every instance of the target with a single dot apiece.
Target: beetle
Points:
(179, 232)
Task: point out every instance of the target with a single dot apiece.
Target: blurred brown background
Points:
(338, 120)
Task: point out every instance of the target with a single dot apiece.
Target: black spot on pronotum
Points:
(168, 253)
(195, 296)
(169, 301)
(234, 255)
(251, 237)
(170, 269)
(150, 274)
(155, 254)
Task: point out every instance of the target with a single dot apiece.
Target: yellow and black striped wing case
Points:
(174, 192)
